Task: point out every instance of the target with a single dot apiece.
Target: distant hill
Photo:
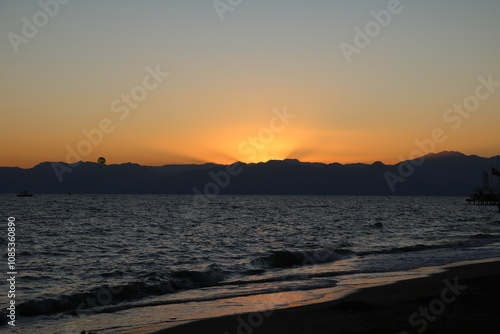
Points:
(445, 173)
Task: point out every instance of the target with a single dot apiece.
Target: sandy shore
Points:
(461, 299)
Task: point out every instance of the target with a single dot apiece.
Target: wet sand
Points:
(461, 299)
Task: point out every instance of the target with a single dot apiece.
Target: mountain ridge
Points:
(443, 173)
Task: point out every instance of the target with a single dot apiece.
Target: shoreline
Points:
(460, 297)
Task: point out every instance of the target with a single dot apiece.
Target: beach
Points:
(461, 298)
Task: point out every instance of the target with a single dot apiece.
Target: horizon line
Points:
(442, 153)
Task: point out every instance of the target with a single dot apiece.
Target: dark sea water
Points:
(119, 262)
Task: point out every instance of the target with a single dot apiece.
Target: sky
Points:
(160, 82)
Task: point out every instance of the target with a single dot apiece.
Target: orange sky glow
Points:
(172, 84)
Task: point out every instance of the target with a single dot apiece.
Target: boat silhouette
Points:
(24, 194)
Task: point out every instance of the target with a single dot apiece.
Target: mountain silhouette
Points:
(441, 174)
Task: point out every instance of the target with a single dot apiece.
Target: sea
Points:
(124, 263)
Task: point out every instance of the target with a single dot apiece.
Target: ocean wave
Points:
(132, 289)
(287, 259)
(91, 299)
(160, 283)
(153, 284)
(475, 240)
(274, 288)
(410, 248)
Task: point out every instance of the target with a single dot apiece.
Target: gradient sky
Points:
(226, 78)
